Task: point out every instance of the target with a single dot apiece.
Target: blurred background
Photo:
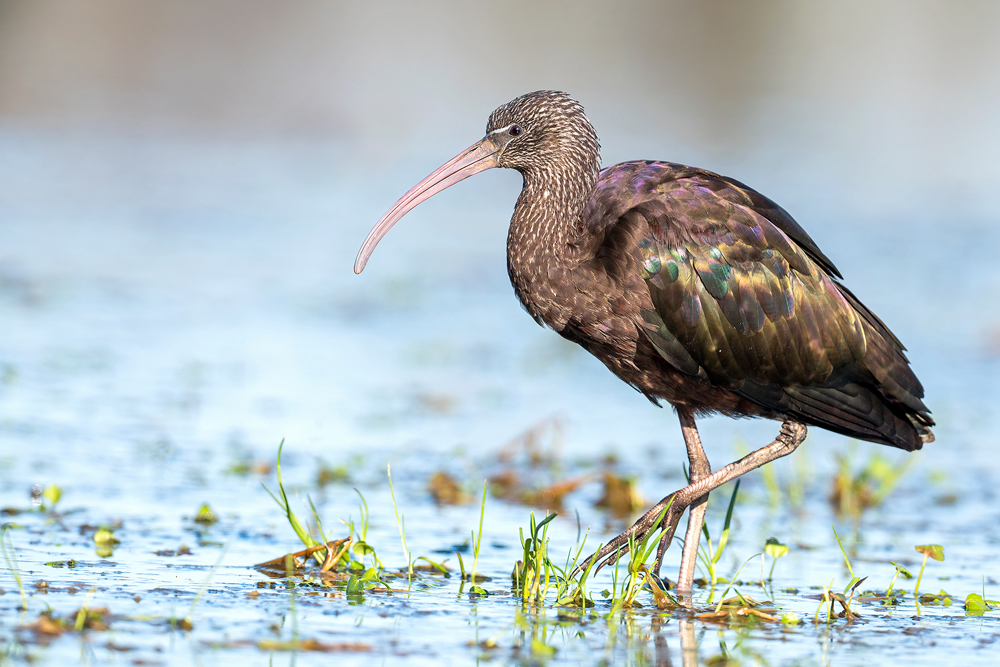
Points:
(183, 188)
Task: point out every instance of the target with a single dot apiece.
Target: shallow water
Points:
(173, 309)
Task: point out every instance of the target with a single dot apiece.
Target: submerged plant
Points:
(573, 592)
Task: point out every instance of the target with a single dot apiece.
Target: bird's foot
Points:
(667, 513)
(664, 514)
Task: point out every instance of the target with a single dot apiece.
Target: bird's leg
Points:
(699, 469)
(791, 436)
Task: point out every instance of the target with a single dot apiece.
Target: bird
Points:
(694, 289)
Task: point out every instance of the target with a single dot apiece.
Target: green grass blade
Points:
(724, 538)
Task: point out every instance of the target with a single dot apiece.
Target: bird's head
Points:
(545, 132)
(542, 130)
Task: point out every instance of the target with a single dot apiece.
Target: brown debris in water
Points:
(620, 495)
(530, 443)
(740, 608)
(551, 497)
(445, 490)
(49, 625)
(335, 550)
(182, 550)
(300, 645)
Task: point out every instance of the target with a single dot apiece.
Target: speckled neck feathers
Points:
(558, 154)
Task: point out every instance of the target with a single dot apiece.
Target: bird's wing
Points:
(744, 299)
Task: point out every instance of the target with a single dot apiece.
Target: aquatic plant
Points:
(401, 524)
(293, 520)
(935, 551)
(10, 556)
(637, 572)
(977, 605)
(775, 549)
(855, 491)
(477, 540)
(533, 573)
(707, 553)
(900, 570)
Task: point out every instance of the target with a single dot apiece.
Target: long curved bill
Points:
(476, 158)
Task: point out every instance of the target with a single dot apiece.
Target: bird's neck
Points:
(544, 236)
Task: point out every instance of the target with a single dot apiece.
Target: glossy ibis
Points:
(691, 287)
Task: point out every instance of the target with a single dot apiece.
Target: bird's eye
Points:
(514, 130)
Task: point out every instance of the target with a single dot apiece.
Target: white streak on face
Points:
(501, 130)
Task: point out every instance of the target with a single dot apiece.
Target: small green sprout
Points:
(577, 597)
(732, 582)
(900, 570)
(293, 520)
(356, 585)
(935, 551)
(400, 521)
(477, 540)
(532, 574)
(775, 550)
(854, 580)
(638, 573)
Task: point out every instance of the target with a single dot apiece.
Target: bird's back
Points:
(740, 299)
